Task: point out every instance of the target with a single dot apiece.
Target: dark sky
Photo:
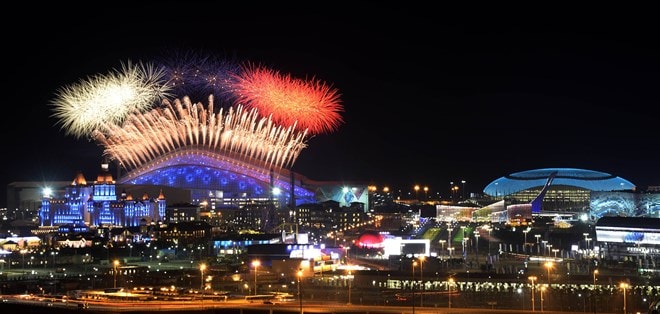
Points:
(429, 96)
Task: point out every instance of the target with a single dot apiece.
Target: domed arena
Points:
(370, 239)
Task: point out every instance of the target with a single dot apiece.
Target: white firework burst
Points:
(185, 126)
(92, 104)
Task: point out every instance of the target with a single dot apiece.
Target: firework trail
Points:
(311, 105)
(183, 125)
(86, 106)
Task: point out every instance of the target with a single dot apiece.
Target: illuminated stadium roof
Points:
(581, 178)
(203, 169)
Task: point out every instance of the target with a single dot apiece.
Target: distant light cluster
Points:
(131, 114)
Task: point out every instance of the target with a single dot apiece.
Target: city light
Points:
(115, 269)
(300, 274)
(255, 264)
(532, 279)
(421, 279)
(549, 266)
(450, 283)
(624, 286)
(202, 267)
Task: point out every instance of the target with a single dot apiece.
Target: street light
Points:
(489, 229)
(23, 255)
(593, 292)
(542, 290)
(115, 264)
(202, 267)
(586, 236)
(450, 283)
(532, 278)
(412, 286)
(300, 274)
(417, 192)
(525, 244)
(624, 286)
(256, 264)
(421, 278)
(350, 280)
(476, 236)
(426, 193)
(463, 181)
(463, 241)
(449, 230)
(545, 244)
(538, 247)
(549, 265)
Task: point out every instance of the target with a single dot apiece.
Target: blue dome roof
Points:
(581, 178)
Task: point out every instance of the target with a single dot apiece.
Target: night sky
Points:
(428, 97)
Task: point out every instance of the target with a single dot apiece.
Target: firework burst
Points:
(183, 125)
(198, 75)
(90, 104)
(310, 105)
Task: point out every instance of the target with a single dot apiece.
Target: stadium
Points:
(235, 149)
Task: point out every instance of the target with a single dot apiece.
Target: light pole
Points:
(417, 192)
(449, 248)
(412, 286)
(202, 267)
(463, 242)
(256, 264)
(350, 280)
(586, 235)
(53, 254)
(450, 283)
(548, 265)
(525, 244)
(538, 247)
(476, 236)
(542, 290)
(593, 292)
(624, 286)
(463, 181)
(300, 274)
(532, 278)
(421, 278)
(490, 228)
(23, 255)
(545, 244)
(115, 264)
(442, 245)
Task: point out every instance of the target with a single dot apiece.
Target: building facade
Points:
(99, 204)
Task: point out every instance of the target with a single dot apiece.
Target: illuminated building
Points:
(576, 190)
(99, 204)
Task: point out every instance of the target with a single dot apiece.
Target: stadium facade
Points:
(595, 193)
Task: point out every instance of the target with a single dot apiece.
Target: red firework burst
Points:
(310, 105)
